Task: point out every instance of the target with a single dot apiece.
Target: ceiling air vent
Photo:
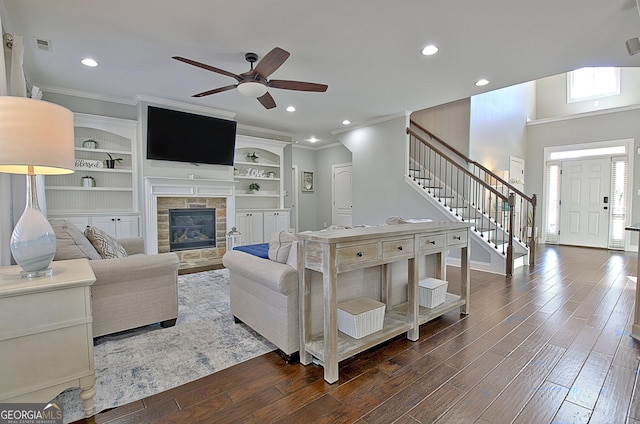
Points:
(44, 45)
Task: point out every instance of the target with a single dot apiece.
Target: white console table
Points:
(335, 252)
(46, 335)
(635, 328)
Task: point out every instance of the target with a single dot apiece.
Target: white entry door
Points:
(584, 206)
(341, 193)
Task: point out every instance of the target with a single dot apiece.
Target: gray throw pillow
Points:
(107, 246)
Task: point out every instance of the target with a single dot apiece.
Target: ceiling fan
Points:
(254, 83)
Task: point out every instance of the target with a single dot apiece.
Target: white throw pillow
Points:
(107, 246)
(279, 246)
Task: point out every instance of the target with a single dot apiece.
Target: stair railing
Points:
(496, 209)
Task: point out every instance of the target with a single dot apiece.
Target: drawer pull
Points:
(457, 238)
(399, 247)
(359, 254)
(432, 242)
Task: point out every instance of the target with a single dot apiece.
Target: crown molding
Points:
(182, 105)
(86, 95)
(316, 148)
(371, 122)
(582, 115)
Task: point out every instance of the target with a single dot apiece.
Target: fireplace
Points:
(192, 228)
(163, 194)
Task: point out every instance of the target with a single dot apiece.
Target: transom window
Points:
(592, 83)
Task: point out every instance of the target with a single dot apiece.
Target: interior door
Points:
(584, 202)
(341, 190)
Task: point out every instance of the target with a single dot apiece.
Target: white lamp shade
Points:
(35, 134)
(252, 89)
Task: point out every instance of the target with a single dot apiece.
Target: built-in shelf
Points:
(68, 188)
(116, 188)
(268, 165)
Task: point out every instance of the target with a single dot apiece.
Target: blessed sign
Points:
(88, 164)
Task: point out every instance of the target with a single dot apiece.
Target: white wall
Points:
(379, 189)
(305, 159)
(581, 129)
(498, 125)
(552, 95)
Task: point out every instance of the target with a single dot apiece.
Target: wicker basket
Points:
(360, 317)
(433, 292)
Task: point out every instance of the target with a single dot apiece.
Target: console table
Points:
(635, 329)
(46, 335)
(335, 252)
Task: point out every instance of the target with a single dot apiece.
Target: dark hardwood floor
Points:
(548, 345)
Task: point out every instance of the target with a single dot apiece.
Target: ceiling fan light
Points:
(252, 89)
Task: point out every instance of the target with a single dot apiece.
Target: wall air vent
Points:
(44, 45)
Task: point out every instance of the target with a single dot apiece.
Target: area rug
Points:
(139, 363)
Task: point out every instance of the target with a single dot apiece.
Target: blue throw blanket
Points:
(260, 250)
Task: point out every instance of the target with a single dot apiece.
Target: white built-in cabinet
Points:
(275, 221)
(261, 213)
(251, 226)
(258, 226)
(112, 204)
(119, 226)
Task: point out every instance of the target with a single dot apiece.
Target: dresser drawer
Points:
(393, 248)
(457, 238)
(427, 243)
(356, 254)
(37, 311)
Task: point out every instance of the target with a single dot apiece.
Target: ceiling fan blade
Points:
(298, 85)
(207, 67)
(215, 90)
(267, 101)
(272, 61)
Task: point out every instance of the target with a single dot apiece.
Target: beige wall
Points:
(449, 122)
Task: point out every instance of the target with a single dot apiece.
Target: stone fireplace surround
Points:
(163, 193)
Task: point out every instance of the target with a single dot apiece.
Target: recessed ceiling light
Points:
(312, 140)
(291, 109)
(429, 50)
(89, 62)
(346, 122)
(482, 82)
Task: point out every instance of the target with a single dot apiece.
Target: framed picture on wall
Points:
(307, 181)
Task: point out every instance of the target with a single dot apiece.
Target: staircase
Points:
(501, 216)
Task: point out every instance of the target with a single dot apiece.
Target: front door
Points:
(584, 206)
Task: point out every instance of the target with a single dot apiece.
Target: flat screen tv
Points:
(186, 137)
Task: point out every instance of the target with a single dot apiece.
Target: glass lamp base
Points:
(37, 274)
(33, 243)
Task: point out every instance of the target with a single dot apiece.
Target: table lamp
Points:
(36, 138)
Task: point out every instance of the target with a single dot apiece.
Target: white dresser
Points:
(46, 335)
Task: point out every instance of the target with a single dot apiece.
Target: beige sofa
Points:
(264, 295)
(129, 292)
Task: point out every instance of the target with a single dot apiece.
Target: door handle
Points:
(605, 208)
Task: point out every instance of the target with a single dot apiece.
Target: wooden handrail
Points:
(468, 160)
(461, 168)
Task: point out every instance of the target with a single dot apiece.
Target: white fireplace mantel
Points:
(155, 187)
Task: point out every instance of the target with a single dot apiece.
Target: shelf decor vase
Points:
(90, 144)
(88, 182)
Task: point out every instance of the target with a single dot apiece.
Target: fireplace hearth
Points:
(192, 229)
